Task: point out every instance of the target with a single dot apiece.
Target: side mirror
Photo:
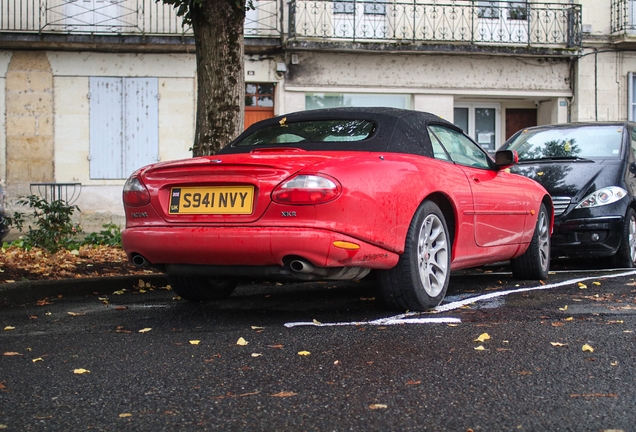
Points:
(506, 158)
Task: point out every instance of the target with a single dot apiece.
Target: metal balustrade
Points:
(124, 17)
(623, 15)
(470, 21)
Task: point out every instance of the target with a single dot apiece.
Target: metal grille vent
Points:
(560, 204)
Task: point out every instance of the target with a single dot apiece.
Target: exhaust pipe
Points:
(300, 266)
(140, 261)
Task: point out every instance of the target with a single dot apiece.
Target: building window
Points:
(259, 102)
(124, 125)
(480, 121)
(334, 100)
(631, 97)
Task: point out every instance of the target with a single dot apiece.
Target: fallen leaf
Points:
(304, 353)
(524, 372)
(9, 328)
(480, 348)
(120, 292)
(195, 342)
(558, 344)
(596, 283)
(284, 394)
(256, 354)
(557, 324)
(125, 415)
(2, 386)
(258, 328)
(582, 285)
(564, 308)
(453, 325)
(241, 342)
(587, 348)
(75, 313)
(315, 321)
(569, 319)
(12, 353)
(483, 337)
(81, 371)
(411, 382)
(39, 359)
(279, 346)
(120, 307)
(377, 406)
(145, 330)
(614, 363)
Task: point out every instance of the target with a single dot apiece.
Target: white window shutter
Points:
(141, 123)
(105, 128)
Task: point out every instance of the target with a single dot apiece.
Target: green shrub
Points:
(52, 227)
(109, 236)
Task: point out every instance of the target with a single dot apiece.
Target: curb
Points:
(30, 291)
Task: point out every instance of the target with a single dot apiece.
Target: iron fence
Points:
(472, 21)
(147, 17)
(623, 14)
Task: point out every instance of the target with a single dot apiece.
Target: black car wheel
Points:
(420, 279)
(535, 262)
(198, 288)
(626, 254)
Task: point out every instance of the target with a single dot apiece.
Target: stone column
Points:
(29, 122)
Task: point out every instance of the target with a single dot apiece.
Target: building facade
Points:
(92, 89)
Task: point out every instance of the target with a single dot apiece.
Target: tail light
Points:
(135, 193)
(307, 189)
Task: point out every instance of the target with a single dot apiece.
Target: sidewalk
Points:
(31, 291)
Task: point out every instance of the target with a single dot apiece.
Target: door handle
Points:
(476, 180)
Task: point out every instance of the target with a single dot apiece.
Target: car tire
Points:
(625, 257)
(199, 288)
(535, 262)
(420, 279)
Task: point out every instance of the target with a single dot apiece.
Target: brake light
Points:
(307, 189)
(135, 193)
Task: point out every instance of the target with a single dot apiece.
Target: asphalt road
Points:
(557, 357)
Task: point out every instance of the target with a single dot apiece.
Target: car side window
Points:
(461, 150)
(438, 150)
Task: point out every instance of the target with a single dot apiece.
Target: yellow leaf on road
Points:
(377, 406)
(81, 371)
(145, 330)
(596, 283)
(582, 285)
(315, 321)
(284, 394)
(195, 342)
(75, 313)
(39, 359)
(483, 337)
(587, 348)
(241, 342)
(9, 328)
(118, 292)
(304, 353)
(480, 348)
(125, 415)
(557, 344)
(564, 308)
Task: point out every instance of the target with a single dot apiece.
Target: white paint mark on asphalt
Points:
(416, 317)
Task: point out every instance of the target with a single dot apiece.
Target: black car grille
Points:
(560, 204)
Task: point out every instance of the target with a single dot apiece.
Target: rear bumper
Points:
(587, 237)
(239, 246)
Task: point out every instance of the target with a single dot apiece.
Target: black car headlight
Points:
(603, 197)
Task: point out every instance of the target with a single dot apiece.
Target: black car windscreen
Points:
(588, 141)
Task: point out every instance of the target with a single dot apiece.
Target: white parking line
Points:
(416, 318)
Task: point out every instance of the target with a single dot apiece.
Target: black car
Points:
(590, 171)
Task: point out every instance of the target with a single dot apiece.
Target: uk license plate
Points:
(212, 200)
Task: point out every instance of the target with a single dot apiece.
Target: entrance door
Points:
(519, 118)
(259, 102)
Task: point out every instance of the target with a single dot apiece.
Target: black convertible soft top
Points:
(396, 130)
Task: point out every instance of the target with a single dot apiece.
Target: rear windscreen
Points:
(331, 131)
(576, 142)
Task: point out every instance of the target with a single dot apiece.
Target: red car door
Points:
(500, 204)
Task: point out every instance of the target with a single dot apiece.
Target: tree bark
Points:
(218, 35)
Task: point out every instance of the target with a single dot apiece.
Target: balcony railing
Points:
(125, 17)
(469, 21)
(623, 14)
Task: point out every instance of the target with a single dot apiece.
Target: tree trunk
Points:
(218, 35)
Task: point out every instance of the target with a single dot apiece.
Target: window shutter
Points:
(105, 128)
(141, 123)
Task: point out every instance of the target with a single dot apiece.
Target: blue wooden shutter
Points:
(141, 123)
(106, 135)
